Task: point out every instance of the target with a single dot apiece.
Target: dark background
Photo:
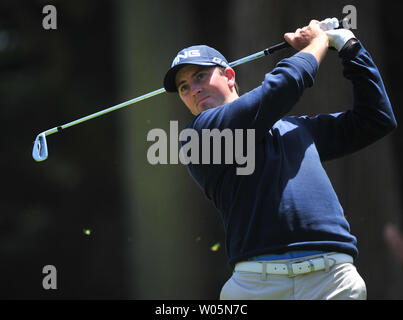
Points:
(151, 229)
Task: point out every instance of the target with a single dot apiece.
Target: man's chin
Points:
(204, 107)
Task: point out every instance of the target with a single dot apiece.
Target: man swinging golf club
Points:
(286, 235)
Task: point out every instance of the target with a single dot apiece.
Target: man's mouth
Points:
(201, 100)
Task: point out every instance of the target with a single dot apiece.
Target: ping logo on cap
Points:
(185, 55)
(220, 62)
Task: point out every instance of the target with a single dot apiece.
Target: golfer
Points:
(286, 234)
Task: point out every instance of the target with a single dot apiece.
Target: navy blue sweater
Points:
(288, 203)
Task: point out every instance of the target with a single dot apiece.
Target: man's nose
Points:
(196, 89)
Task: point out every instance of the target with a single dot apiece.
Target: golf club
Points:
(40, 149)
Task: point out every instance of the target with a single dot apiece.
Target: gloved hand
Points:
(337, 37)
(329, 24)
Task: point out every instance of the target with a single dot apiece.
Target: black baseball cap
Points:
(201, 55)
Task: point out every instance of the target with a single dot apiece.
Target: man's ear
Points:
(230, 74)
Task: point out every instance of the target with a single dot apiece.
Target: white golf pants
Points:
(341, 282)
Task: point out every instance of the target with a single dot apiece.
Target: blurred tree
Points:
(46, 77)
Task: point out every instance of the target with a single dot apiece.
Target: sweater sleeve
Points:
(370, 118)
(260, 108)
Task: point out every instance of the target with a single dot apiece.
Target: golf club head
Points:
(40, 150)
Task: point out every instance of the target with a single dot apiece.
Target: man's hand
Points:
(311, 39)
(301, 38)
(340, 38)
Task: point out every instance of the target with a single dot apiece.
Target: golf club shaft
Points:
(103, 112)
(260, 54)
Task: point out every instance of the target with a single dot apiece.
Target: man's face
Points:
(202, 88)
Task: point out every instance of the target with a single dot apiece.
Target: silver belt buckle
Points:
(303, 267)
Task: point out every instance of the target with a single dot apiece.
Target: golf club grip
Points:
(277, 47)
(285, 44)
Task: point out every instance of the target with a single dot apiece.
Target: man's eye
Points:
(201, 76)
(183, 88)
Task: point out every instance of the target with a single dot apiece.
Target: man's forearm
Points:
(318, 48)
